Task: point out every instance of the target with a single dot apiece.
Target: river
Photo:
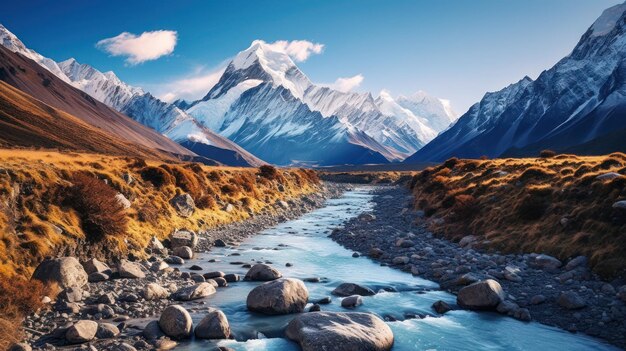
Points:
(303, 242)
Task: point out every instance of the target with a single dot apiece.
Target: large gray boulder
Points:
(95, 266)
(282, 296)
(176, 322)
(484, 294)
(194, 292)
(348, 289)
(107, 331)
(183, 204)
(184, 252)
(130, 270)
(65, 271)
(81, 331)
(332, 331)
(547, 262)
(213, 326)
(262, 272)
(183, 238)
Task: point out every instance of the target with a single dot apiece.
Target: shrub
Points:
(451, 162)
(268, 172)
(206, 202)
(246, 201)
(465, 206)
(214, 176)
(534, 173)
(148, 214)
(185, 180)
(547, 153)
(100, 212)
(532, 207)
(157, 176)
(229, 189)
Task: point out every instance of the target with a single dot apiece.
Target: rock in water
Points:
(183, 238)
(484, 294)
(262, 272)
(348, 289)
(65, 271)
(184, 252)
(333, 331)
(441, 307)
(352, 301)
(194, 292)
(282, 296)
(213, 326)
(176, 322)
(81, 331)
(130, 270)
(183, 204)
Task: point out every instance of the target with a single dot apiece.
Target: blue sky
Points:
(455, 49)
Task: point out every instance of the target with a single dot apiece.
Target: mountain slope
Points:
(31, 78)
(265, 103)
(28, 122)
(579, 101)
(165, 118)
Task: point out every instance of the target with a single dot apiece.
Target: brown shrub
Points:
(451, 162)
(214, 176)
(100, 212)
(532, 207)
(246, 201)
(206, 202)
(148, 214)
(185, 180)
(157, 176)
(547, 153)
(533, 173)
(465, 206)
(229, 189)
(268, 172)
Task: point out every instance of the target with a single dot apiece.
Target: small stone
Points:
(348, 289)
(571, 300)
(81, 331)
(441, 307)
(351, 301)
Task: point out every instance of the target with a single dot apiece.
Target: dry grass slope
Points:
(554, 204)
(58, 203)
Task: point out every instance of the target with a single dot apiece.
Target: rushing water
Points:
(304, 243)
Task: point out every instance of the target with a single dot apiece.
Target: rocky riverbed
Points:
(535, 286)
(116, 305)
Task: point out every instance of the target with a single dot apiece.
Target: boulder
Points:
(352, 301)
(576, 262)
(71, 294)
(571, 300)
(213, 326)
(152, 331)
(97, 277)
(122, 200)
(176, 322)
(107, 331)
(183, 204)
(348, 289)
(183, 238)
(441, 307)
(262, 272)
(221, 282)
(153, 291)
(155, 244)
(211, 275)
(219, 243)
(174, 260)
(400, 260)
(486, 294)
(404, 243)
(65, 271)
(81, 331)
(95, 266)
(620, 205)
(194, 292)
(609, 176)
(367, 217)
(232, 277)
(547, 262)
(467, 240)
(130, 270)
(537, 299)
(375, 252)
(158, 266)
(333, 331)
(184, 252)
(282, 296)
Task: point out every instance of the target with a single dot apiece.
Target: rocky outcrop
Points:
(333, 331)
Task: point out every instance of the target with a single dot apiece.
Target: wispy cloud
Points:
(147, 46)
(298, 50)
(347, 84)
(191, 87)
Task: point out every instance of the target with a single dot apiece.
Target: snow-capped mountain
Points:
(578, 105)
(264, 102)
(165, 118)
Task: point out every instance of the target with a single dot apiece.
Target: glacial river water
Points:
(304, 243)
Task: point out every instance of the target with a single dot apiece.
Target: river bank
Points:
(562, 294)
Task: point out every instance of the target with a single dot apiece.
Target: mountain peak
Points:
(608, 20)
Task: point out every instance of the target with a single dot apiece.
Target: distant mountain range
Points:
(264, 105)
(579, 105)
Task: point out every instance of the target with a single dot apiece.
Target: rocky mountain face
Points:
(576, 106)
(267, 105)
(143, 107)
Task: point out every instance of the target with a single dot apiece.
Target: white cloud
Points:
(348, 83)
(140, 48)
(298, 50)
(189, 88)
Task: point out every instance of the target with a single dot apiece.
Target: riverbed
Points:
(301, 249)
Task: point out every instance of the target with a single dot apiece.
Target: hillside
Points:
(66, 202)
(564, 205)
(29, 77)
(28, 122)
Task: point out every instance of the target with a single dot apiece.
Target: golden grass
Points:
(33, 185)
(553, 204)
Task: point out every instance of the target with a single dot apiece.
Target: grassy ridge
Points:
(51, 200)
(554, 204)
